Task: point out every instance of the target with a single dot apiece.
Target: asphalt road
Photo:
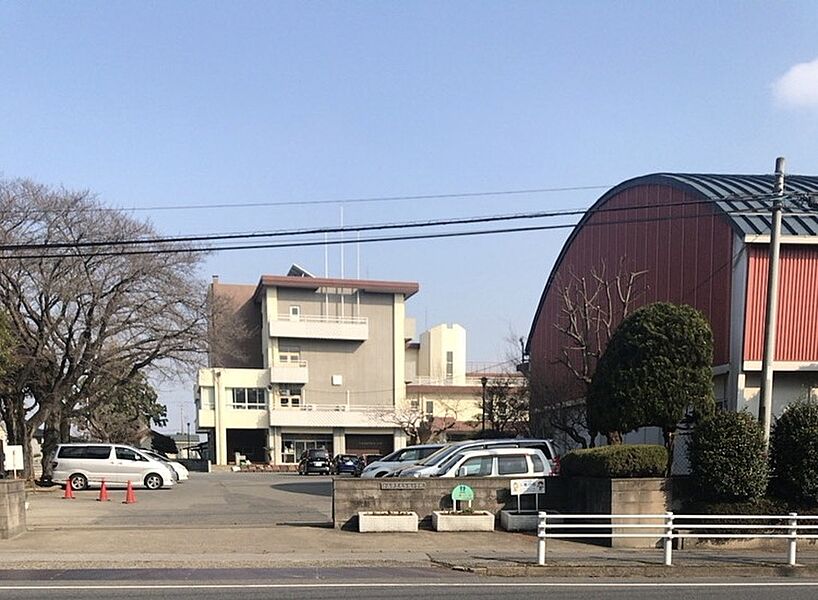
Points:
(213, 499)
(372, 584)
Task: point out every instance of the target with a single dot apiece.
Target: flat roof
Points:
(407, 288)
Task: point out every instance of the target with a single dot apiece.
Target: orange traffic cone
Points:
(130, 497)
(69, 491)
(103, 493)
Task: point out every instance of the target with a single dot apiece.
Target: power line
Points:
(410, 237)
(351, 200)
(363, 228)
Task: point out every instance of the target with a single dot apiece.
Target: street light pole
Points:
(187, 452)
(483, 381)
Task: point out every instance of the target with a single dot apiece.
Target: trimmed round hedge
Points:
(727, 458)
(794, 452)
(620, 461)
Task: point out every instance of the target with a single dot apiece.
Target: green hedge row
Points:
(615, 461)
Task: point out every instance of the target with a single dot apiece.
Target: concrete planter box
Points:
(522, 521)
(480, 520)
(370, 522)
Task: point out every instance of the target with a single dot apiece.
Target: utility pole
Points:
(765, 403)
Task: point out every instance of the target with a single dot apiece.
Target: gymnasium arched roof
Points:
(745, 200)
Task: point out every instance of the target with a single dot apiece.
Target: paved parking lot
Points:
(220, 499)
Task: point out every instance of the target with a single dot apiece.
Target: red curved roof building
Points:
(701, 240)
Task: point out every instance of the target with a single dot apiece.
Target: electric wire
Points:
(363, 240)
(375, 227)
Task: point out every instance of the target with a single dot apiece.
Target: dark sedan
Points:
(314, 460)
(346, 463)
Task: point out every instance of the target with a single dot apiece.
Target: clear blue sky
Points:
(156, 103)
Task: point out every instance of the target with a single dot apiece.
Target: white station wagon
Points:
(502, 462)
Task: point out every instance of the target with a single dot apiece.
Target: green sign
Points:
(462, 493)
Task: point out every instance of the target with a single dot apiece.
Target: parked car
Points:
(314, 460)
(370, 458)
(402, 458)
(503, 462)
(346, 463)
(432, 463)
(89, 464)
(182, 474)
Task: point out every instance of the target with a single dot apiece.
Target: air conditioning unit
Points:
(341, 407)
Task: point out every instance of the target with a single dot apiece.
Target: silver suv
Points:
(430, 466)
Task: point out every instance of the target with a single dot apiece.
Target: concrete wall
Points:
(12, 508)
(788, 387)
(570, 495)
(591, 495)
(427, 494)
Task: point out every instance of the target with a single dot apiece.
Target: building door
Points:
(362, 445)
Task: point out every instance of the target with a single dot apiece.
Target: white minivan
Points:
(502, 462)
(87, 465)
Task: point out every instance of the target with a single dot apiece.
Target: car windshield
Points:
(317, 453)
(450, 462)
(394, 457)
(435, 458)
(347, 457)
(156, 456)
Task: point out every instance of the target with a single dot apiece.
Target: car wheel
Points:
(153, 481)
(78, 481)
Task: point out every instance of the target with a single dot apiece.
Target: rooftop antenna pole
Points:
(342, 241)
(765, 403)
(358, 272)
(326, 273)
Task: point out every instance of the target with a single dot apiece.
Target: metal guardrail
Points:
(789, 527)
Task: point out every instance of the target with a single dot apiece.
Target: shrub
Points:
(727, 458)
(757, 506)
(794, 452)
(615, 461)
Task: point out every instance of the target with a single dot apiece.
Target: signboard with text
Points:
(521, 487)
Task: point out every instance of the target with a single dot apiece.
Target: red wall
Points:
(685, 249)
(797, 323)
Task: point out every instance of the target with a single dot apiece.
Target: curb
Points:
(568, 571)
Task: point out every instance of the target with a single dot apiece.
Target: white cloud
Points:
(798, 87)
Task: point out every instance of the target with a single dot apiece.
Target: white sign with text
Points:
(520, 487)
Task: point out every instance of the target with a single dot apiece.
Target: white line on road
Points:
(483, 585)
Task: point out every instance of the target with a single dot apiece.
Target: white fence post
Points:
(541, 538)
(668, 540)
(793, 539)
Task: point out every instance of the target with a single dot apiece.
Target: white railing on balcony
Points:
(326, 327)
(291, 364)
(385, 409)
(426, 380)
(323, 319)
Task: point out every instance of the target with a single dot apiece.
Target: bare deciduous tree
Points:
(507, 406)
(421, 427)
(591, 307)
(90, 304)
